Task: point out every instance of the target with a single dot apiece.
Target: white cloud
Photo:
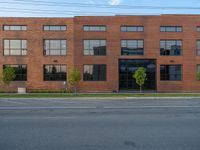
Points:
(114, 2)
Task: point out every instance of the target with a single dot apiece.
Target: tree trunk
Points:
(140, 89)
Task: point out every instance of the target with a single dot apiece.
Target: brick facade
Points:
(75, 58)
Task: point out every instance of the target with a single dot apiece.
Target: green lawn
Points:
(67, 95)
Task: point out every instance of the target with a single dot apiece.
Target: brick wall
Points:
(75, 36)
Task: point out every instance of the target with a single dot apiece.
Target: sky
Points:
(70, 8)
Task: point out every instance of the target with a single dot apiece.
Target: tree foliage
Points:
(7, 76)
(75, 78)
(140, 77)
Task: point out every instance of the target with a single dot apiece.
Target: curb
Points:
(106, 98)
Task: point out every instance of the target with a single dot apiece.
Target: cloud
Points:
(114, 2)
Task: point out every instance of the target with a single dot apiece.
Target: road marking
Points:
(27, 108)
(36, 117)
(11, 101)
(94, 107)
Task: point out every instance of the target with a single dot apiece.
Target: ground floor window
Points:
(171, 72)
(127, 68)
(198, 72)
(20, 72)
(94, 73)
(55, 72)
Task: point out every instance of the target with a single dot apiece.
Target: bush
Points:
(8, 75)
(46, 91)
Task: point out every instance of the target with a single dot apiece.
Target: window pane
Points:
(55, 47)
(123, 29)
(6, 52)
(198, 47)
(132, 47)
(198, 29)
(55, 28)
(162, 29)
(123, 43)
(15, 44)
(24, 44)
(94, 47)
(179, 29)
(20, 72)
(131, 29)
(6, 44)
(171, 47)
(140, 43)
(170, 29)
(6, 28)
(94, 73)
(63, 28)
(171, 72)
(94, 28)
(55, 73)
(140, 29)
(24, 28)
(15, 27)
(15, 47)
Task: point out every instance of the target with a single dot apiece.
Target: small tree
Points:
(7, 76)
(75, 78)
(140, 77)
(198, 75)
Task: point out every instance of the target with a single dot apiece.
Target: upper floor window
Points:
(198, 28)
(15, 27)
(171, 47)
(15, 47)
(198, 47)
(94, 73)
(20, 72)
(132, 28)
(54, 28)
(171, 29)
(95, 28)
(55, 72)
(95, 47)
(55, 47)
(132, 47)
(170, 72)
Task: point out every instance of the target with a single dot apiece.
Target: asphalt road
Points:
(49, 124)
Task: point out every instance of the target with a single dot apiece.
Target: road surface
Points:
(81, 124)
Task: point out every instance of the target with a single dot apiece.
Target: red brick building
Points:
(107, 50)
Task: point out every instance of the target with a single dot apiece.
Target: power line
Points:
(49, 11)
(38, 2)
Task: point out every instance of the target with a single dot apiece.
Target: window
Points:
(55, 72)
(15, 47)
(198, 28)
(20, 72)
(95, 47)
(198, 72)
(55, 47)
(198, 47)
(15, 27)
(94, 28)
(170, 47)
(171, 72)
(132, 47)
(132, 29)
(171, 29)
(54, 28)
(94, 73)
